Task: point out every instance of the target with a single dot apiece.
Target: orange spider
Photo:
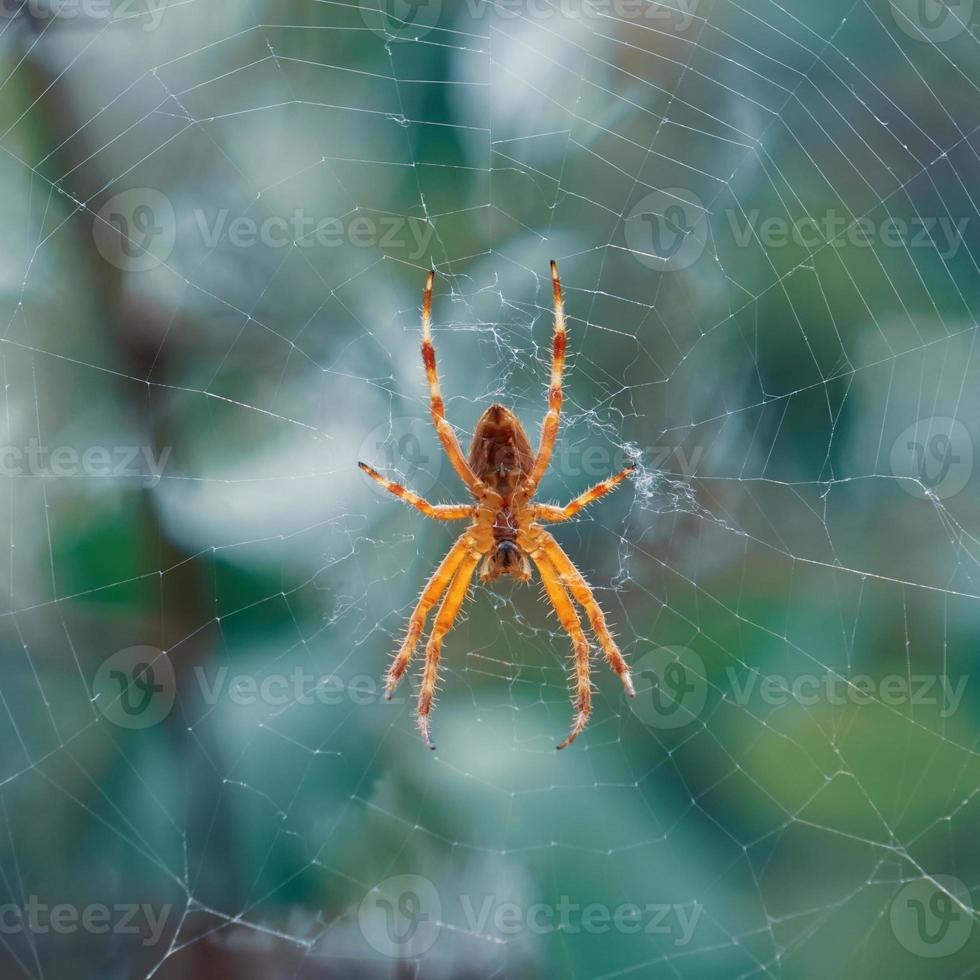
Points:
(503, 477)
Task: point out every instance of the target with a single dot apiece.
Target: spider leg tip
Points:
(424, 731)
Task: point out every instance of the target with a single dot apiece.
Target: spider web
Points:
(218, 221)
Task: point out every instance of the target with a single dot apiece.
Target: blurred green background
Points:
(217, 221)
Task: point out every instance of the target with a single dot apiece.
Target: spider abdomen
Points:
(500, 454)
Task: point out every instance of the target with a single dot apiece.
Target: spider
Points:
(505, 535)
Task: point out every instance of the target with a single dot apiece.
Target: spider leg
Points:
(434, 588)
(536, 540)
(549, 428)
(569, 620)
(448, 611)
(441, 512)
(446, 433)
(546, 512)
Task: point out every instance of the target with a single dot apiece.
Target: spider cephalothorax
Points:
(505, 535)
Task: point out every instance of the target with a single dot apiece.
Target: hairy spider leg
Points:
(446, 433)
(448, 611)
(440, 512)
(568, 617)
(539, 540)
(549, 427)
(549, 512)
(434, 588)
